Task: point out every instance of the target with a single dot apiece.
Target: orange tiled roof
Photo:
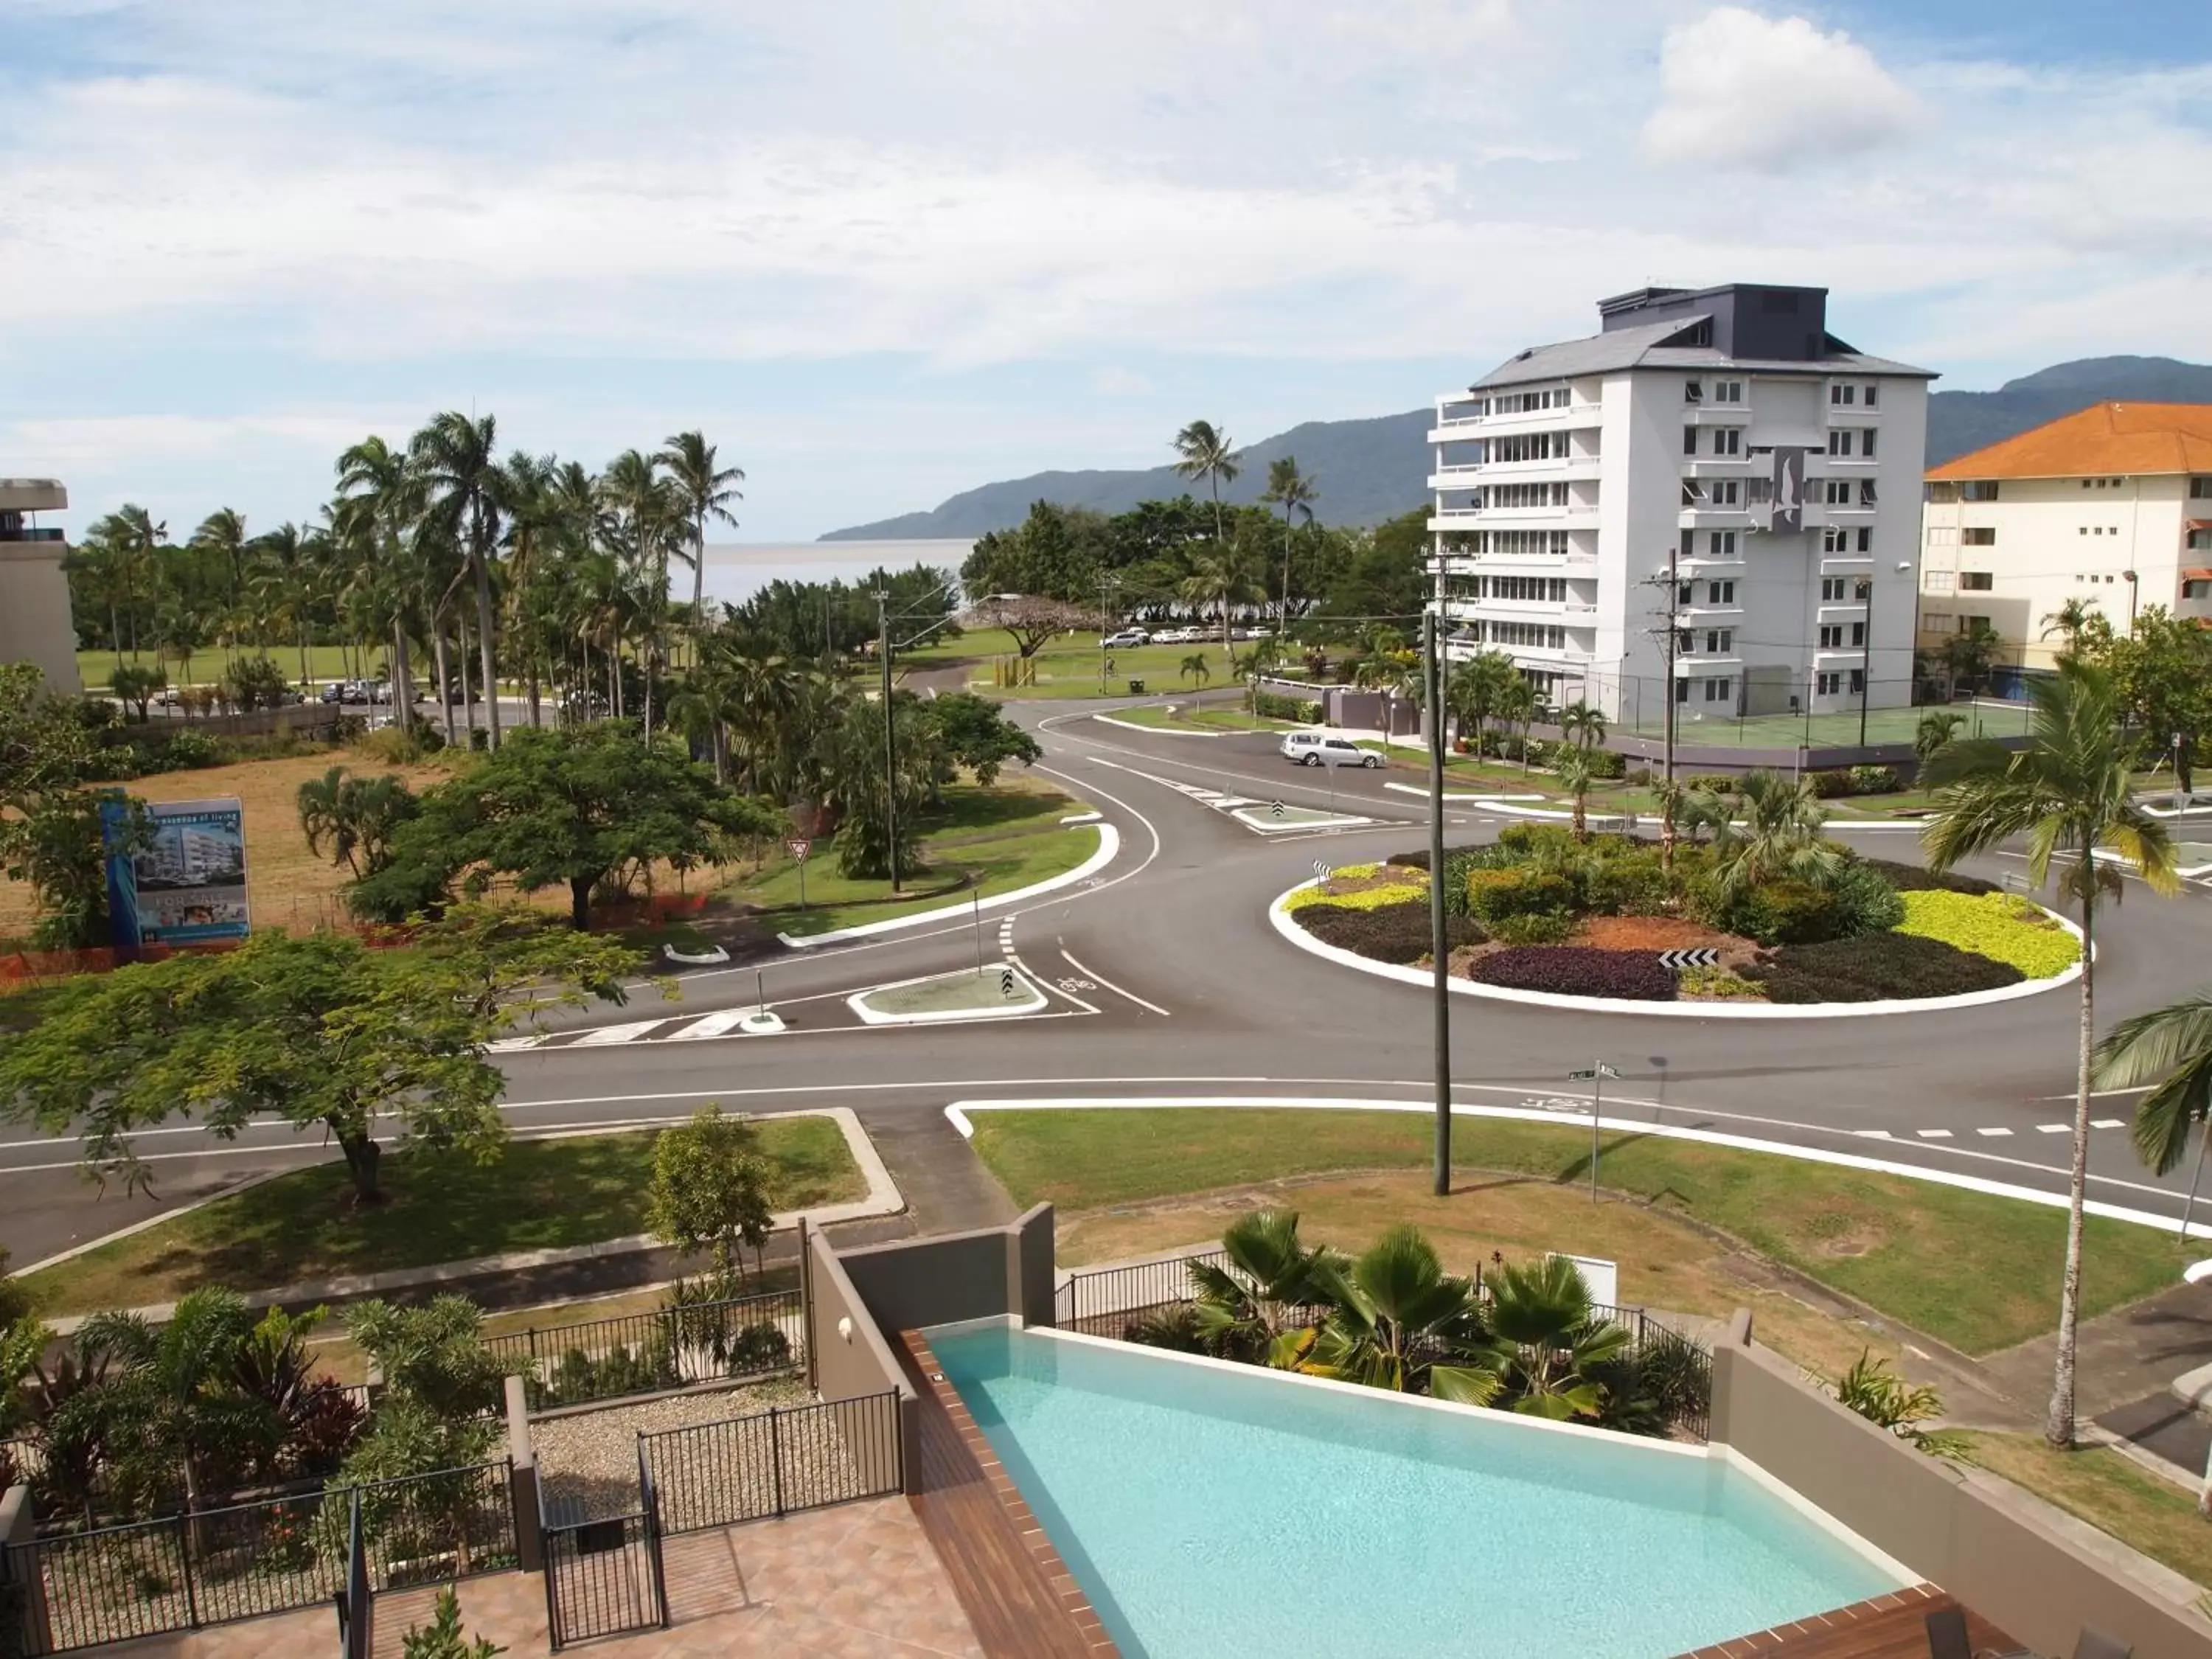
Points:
(2121, 439)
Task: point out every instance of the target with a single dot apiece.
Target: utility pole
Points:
(1667, 691)
(891, 740)
(1106, 586)
(1439, 950)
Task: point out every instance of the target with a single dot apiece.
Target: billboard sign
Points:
(189, 886)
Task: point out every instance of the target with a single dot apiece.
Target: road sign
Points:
(1703, 957)
(1590, 1071)
(1322, 872)
(1274, 809)
(798, 846)
(1005, 982)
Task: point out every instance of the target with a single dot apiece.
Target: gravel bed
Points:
(587, 1463)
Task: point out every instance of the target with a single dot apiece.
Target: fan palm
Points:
(1203, 450)
(1243, 1308)
(1778, 837)
(706, 491)
(2068, 793)
(1397, 1320)
(1295, 493)
(1545, 1336)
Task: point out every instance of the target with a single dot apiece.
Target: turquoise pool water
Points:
(1209, 1512)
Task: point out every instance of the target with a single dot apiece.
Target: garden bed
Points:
(1796, 921)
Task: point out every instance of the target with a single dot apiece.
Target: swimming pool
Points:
(1210, 1510)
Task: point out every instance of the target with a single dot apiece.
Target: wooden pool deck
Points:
(1894, 1627)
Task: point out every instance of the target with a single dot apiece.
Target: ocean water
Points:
(1210, 1511)
(737, 570)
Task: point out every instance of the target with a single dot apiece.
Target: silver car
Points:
(1326, 748)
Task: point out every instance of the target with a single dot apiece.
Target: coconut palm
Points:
(1222, 577)
(2067, 793)
(124, 545)
(1575, 776)
(458, 460)
(1203, 451)
(1272, 1276)
(1582, 725)
(1477, 690)
(1772, 833)
(1195, 668)
(380, 500)
(1397, 1320)
(1517, 705)
(1937, 727)
(706, 492)
(2070, 619)
(1544, 1337)
(1295, 493)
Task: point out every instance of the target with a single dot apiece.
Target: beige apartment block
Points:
(2111, 505)
(35, 624)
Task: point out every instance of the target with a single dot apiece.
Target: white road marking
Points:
(2108, 1123)
(711, 1025)
(1101, 978)
(1992, 1131)
(1874, 1134)
(1933, 1134)
(625, 1033)
(508, 1045)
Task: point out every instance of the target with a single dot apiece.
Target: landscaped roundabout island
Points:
(1794, 924)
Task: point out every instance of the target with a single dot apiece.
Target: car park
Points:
(1326, 749)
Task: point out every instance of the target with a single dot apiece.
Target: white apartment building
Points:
(35, 624)
(1724, 430)
(2112, 505)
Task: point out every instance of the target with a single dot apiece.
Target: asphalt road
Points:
(1166, 982)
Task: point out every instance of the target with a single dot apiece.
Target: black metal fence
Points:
(213, 1566)
(1105, 1302)
(605, 1577)
(773, 1463)
(643, 1353)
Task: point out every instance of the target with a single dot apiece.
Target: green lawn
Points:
(1069, 666)
(981, 842)
(538, 1194)
(1839, 730)
(959, 991)
(2105, 1489)
(1204, 720)
(1978, 1272)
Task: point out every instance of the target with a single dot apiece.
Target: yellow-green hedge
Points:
(2002, 927)
(1404, 885)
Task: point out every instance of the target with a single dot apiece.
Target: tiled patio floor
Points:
(852, 1582)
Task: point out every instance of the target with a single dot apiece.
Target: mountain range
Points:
(1371, 470)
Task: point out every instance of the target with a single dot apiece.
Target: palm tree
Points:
(1397, 1320)
(1195, 668)
(1203, 450)
(2070, 619)
(1778, 839)
(1937, 727)
(1244, 1308)
(458, 460)
(1295, 493)
(1582, 725)
(2067, 793)
(221, 535)
(1545, 1338)
(127, 541)
(1223, 577)
(1477, 690)
(1518, 703)
(380, 500)
(1574, 768)
(706, 492)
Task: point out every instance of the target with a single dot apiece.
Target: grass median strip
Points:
(1978, 1272)
(2099, 1486)
(538, 1195)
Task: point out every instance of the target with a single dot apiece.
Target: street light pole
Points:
(891, 739)
(1439, 950)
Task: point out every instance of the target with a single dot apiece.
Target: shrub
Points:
(1830, 784)
(1713, 783)
(183, 750)
(1574, 970)
(758, 1348)
(1866, 901)
(1998, 926)
(1607, 764)
(1772, 913)
(1717, 982)
(1641, 778)
(1275, 705)
(1879, 968)
(1494, 895)
(1631, 881)
(1912, 878)
(1366, 898)
(1399, 933)
(1873, 780)
(1540, 927)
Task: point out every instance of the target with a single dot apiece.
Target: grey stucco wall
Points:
(855, 1361)
(1954, 1528)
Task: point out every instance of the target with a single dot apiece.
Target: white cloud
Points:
(1741, 89)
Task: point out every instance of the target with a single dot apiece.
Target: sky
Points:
(883, 251)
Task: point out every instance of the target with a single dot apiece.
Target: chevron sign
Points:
(1704, 957)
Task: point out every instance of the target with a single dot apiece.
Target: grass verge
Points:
(1978, 1272)
(1069, 665)
(2099, 1486)
(536, 1196)
(1204, 720)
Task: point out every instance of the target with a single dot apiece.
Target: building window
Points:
(2200, 541)
(1839, 441)
(1689, 440)
(1866, 438)
(1866, 541)
(2200, 490)
(1719, 642)
(1872, 397)
(1978, 535)
(1725, 492)
(1681, 690)
(1721, 593)
(1723, 544)
(1977, 581)
(1858, 681)
(1943, 535)
(1941, 582)
(1832, 590)
(1865, 492)
(1858, 634)
(1942, 492)
(1934, 622)
(1827, 685)
(1686, 640)
(1728, 441)
(1837, 492)
(1983, 489)
(1835, 539)
(1693, 392)
(1694, 494)
(1832, 636)
(1842, 396)
(2196, 590)
(1719, 690)
(1685, 593)
(1727, 391)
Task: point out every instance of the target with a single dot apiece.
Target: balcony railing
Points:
(28, 534)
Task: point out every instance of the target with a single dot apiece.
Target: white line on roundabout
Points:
(1279, 914)
(960, 1114)
(1092, 974)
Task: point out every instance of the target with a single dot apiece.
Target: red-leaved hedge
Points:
(1576, 970)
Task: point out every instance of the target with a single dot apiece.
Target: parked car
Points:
(1125, 638)
(335, 692)
(1326, 748)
